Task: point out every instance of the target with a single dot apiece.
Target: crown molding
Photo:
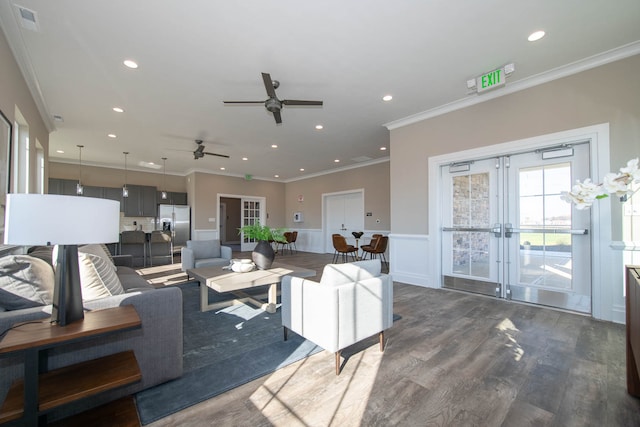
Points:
(576, 67)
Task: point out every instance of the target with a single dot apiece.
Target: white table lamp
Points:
(67, 221)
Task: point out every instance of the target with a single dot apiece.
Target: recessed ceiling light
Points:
(60, 151)
(274, 146)
(131, 64)
(383, 148)
(244, 158)
(222, 168)
(387, 98)
(301, 169)
(276, 176)
(337, 161)
(118, 110)
(319, 127)
(537, 35)
(112, 135)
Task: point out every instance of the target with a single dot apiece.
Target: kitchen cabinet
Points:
(65, 187)
(173, 198)
(141, 201)
(97, 192)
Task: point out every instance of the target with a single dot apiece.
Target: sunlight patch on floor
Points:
(279, 398)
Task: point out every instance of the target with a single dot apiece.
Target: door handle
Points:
(509, 230)
(496, 229)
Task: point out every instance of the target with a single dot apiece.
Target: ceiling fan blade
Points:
(300, 102)
(216, 154)
(277, 116)
(268, 85)
(243, 102)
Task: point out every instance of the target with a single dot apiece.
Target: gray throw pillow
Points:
(25, 282)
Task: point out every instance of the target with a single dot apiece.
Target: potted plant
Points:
(263, 254)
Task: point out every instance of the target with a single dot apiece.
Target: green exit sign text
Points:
(490, 80)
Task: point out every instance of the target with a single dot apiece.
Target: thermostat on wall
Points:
(297, 217)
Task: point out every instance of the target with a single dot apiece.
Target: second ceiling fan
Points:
(273, 104)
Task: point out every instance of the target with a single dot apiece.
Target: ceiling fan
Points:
(273, 104)
(199, 151)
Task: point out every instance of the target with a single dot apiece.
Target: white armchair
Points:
(352, 301)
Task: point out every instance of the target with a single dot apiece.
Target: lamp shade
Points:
(48, 219)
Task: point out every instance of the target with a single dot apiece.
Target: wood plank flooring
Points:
(451, 359)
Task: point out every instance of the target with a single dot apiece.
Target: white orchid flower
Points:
(583, 194)
(617, 183)
(632, 170)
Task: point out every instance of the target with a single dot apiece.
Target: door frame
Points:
(601, 255)
(325, 230)
(261, 199)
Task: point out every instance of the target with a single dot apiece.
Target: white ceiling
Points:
(194, 54)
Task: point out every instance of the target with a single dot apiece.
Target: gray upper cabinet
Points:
(93, 192)
(65, 187)
(141, 201)
(172, 198)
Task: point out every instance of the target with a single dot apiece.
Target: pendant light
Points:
(79, 187)
(125, 190)
(163, 195)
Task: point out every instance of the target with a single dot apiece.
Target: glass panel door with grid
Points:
(251, 214)
(547, 239)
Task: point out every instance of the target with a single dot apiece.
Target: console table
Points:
(42, 390)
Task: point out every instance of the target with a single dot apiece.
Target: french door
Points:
(252, 212)
(506, 232)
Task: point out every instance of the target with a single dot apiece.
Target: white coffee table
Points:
(228, 281)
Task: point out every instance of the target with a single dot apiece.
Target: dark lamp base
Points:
(67, 293)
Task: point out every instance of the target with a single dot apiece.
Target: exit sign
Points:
(490, 80)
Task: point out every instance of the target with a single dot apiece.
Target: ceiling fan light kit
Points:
(273, 104)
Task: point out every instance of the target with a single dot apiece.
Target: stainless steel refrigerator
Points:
(177, 219)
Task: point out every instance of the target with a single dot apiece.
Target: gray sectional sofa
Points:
(157, 344)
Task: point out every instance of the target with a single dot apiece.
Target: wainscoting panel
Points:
(204, 234)
(410, 260)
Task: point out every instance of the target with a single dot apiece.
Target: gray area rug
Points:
(222, 350)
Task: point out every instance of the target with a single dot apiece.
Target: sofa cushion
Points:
(131, 281)
(339, 274)
(25, 282)
(204, 248)
(98, 278)
(98, 250)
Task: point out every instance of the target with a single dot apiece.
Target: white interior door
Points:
(506, 232)
(344, 214)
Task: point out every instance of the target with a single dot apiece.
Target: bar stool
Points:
(160, 246)
(134, 243)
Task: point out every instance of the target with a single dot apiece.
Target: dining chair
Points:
(341, 247)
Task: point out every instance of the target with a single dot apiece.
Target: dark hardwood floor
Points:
(451, 359)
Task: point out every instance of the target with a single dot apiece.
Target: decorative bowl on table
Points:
(242, 265)
(357, 234)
